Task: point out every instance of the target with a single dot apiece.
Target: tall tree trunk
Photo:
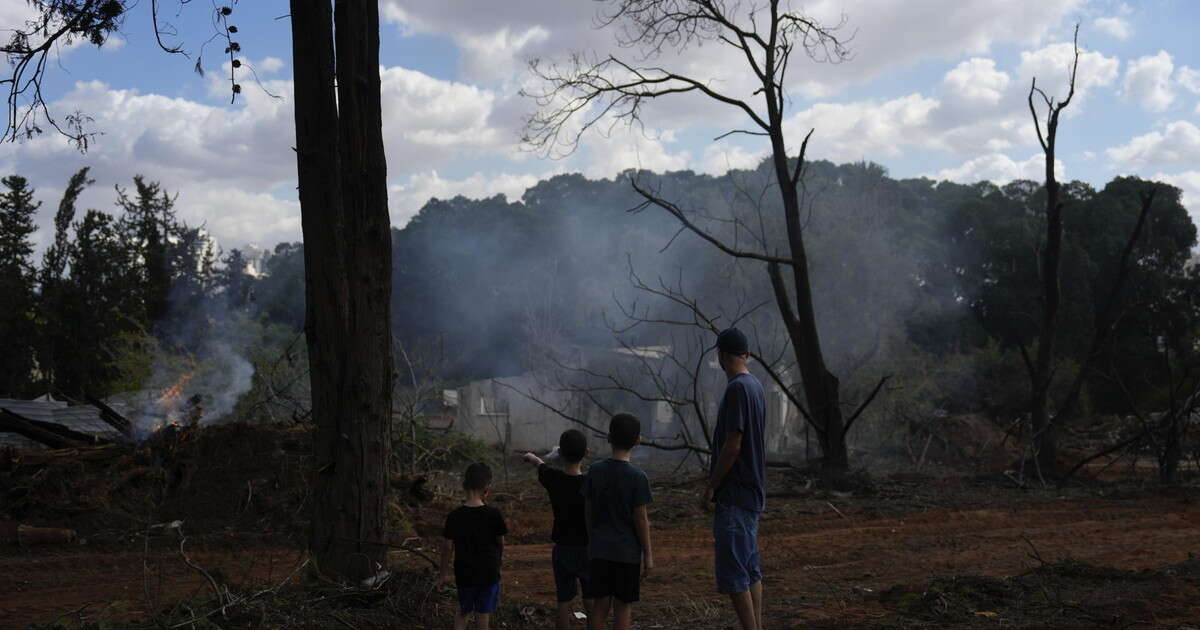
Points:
(1041, 371)
(821, 387)
(347, 255)
(1045, 438)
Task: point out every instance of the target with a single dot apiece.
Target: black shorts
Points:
(570, 567)
(616, 579)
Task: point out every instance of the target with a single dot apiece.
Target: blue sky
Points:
(935, 88)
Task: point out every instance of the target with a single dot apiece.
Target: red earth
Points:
(830, 559)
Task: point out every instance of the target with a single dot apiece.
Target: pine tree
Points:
(17, 294)
(53, 325)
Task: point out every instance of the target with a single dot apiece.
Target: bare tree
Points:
(1044, 422)
(1041, 370)
(586, 93)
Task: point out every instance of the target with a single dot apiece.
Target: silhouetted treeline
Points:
(905, 272)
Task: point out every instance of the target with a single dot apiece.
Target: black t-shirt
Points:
(476, 533)
(569, 525)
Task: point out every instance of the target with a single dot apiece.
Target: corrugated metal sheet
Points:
(33, 409)
(82, 418)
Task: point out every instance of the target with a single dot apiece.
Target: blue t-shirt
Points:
(743, 408)
(615, 488)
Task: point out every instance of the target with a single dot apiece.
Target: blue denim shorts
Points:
(735, 536)
(480, 599)
(571, 566)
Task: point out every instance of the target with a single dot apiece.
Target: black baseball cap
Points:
(733, 341)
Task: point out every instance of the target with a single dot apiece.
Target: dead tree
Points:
(591, 92)
(1044, 423)
(1041, 370)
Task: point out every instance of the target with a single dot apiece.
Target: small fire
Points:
(169, 400)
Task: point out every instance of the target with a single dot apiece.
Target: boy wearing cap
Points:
(737, 480)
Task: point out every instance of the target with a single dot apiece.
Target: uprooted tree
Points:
(343, 205)
(599, 91)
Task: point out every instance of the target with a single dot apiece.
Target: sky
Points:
(933, 88)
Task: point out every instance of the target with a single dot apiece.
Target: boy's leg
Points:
(569, 563)
(563, 621)
(756, 594)
(599, 617)
(460, 620)
(483, 621)
(743, 605)
(622, 615)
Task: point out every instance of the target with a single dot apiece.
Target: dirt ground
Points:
(906, 551)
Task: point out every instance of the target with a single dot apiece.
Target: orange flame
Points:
(169, 399)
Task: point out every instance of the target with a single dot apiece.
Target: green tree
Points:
(233, 281)
(101, 305)
(17, 286)
(54, 290)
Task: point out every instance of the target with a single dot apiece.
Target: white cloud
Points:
(1115, 27)
(1189, 79)
(406, 199)
(897, 33)
(499, 54)
(269, 65)
(1189, 183)
(1148, 79)
(999, 168)
(629, 148)
(977, 80)
(1178, 144)
(888, 34)
(233, 166)
(867, 129)
(1051, 65)
(236, 216)
(719, 159)
(427, 119)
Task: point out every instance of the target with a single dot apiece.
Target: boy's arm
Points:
(641, 522)
(533, 459)
(444, 575)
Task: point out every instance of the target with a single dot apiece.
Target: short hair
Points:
(477, 477)
(572, 445)
(624, 430)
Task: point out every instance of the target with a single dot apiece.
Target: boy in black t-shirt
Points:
(474, 535)
(570, 555)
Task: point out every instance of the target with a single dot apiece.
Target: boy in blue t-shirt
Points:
(570, 555)
(616, 494)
